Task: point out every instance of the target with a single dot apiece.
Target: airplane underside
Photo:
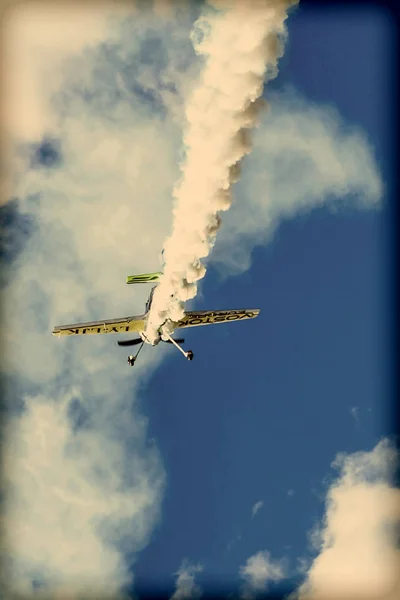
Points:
(137, 323)
(143, 340)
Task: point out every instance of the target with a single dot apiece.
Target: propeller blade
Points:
(129, 342)
(178, 341)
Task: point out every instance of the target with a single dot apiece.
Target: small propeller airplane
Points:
(137, 324)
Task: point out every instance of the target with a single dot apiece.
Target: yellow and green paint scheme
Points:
(144, 278)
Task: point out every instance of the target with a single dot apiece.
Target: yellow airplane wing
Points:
(210, 317)
(122, 325)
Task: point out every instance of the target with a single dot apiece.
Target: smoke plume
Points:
(241, 44)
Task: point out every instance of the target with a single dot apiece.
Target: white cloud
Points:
(304, 156)
(258, 505)
(80, 477)
(258, 571)
(68, 500)
(358, 553)
(37, 40)
(185, 582)
(110, 147)
(82, 483)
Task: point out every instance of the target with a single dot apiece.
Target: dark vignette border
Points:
(392, 8)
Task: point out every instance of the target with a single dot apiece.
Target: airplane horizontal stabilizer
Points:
(144, 278)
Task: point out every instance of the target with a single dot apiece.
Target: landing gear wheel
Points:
(189, 355)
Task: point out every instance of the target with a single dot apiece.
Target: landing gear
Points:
(131, 358)
(189, 354)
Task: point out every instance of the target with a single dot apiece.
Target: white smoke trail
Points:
(241, 42)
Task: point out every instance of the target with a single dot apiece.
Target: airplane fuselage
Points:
(147, 341)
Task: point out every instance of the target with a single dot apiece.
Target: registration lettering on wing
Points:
(216, 317)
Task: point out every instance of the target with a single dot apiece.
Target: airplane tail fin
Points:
(144, 278)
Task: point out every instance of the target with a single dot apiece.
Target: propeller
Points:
(178, 341)
(129, 342)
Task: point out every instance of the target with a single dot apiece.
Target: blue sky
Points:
(270, 402)
(161, 468)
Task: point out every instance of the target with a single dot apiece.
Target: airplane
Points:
(138, 323)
